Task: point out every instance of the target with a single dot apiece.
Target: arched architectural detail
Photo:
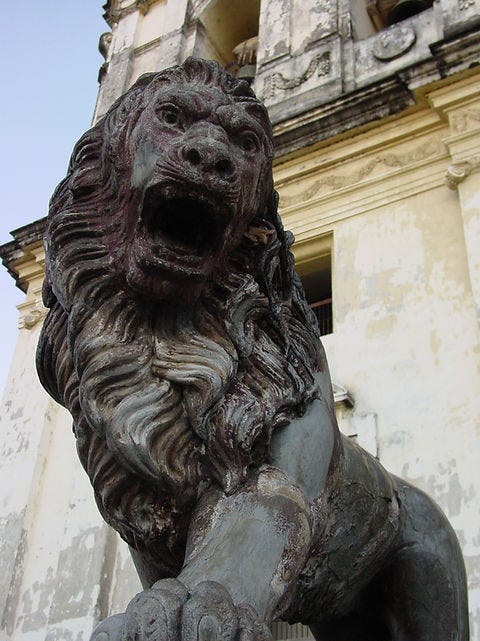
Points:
(222, 26)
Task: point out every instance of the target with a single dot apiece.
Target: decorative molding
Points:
(24, 256)
(366, 106)
(342, 396)
(322, 215)
(390, 160)
(152, 44)
(463, 5)
(30, 319)
(321, 63)
(31, 311)
(196, 8)
(393, 43)
(113, 13)
(458, 171)
(463, 120)
(144, 5)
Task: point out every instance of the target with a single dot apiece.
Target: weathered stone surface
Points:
(180, 340)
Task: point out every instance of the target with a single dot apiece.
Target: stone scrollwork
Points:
(458, 171)
(384, 162)
(320, 63)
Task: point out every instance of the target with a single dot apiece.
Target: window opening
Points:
(282, 631)
(370, 16)
(384, 13)
(230, 35)
(318, 290)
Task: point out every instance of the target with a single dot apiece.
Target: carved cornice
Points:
(114, 11)
(339, 116)
(365, 107)
(458, 171)
(26, 246)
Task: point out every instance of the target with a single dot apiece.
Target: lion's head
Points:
(178, 335)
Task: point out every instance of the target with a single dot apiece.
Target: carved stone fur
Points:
(179, 338)
(246, 343)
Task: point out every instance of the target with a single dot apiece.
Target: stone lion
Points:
(179, 338)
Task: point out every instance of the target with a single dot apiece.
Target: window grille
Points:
(282, 631)
(324, 313)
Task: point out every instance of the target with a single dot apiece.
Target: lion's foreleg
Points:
(254, 543)
(244, 554)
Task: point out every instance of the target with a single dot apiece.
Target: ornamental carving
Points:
(465, 119)
(321, 64)
(393, 43)
(385, 161)
(458, 171)
(463, 5)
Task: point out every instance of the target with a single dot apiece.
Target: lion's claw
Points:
(250, 628)
(209, 615)
(154, 614)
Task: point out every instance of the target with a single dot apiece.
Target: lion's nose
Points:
(211, 157)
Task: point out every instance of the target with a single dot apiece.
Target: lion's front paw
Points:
(155, 614)
(168, 612)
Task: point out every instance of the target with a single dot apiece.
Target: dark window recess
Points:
(318, 290)
(384, 13)
(323, 311)
(227, 26)
(371, 16)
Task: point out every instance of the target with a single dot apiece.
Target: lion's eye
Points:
(169, 114)
(249, 142)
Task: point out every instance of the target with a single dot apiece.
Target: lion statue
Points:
(179, 338)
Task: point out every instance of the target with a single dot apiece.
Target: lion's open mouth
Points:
(184, 225)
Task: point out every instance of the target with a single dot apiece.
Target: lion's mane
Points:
(165, 398)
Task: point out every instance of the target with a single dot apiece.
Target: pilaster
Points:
(53, 543)
(460, 106)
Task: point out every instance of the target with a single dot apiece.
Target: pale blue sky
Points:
(49, 68)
